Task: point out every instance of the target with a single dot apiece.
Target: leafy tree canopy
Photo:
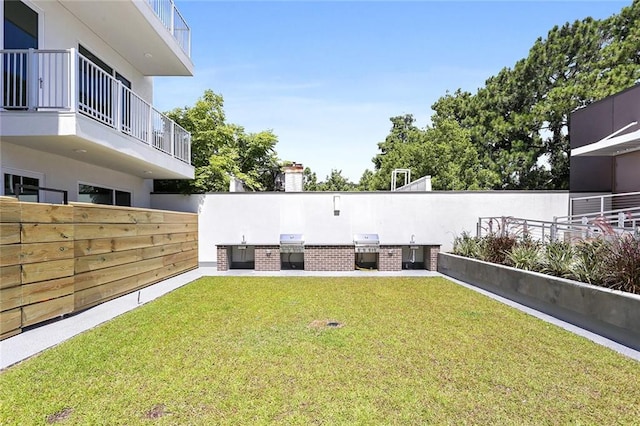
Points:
(333, 182)
(513, 132)
(444, 152)
(220, 150)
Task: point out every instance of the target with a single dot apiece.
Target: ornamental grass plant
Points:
(611, 261)
(621, 264)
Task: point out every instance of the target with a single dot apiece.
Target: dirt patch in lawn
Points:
(60, 416)
(158, 410)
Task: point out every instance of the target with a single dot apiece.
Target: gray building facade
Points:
(605, 145)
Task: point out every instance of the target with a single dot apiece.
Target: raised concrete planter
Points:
(609, 313)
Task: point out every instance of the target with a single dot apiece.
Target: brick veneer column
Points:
(329, 258)
(390, 262)
(431, 257)
(267, 258)
(223, 260)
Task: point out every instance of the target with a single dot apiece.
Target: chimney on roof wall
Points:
(293, 178)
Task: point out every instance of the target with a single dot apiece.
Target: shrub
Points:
(611, 260)
(524, 256)
(558, 259)
(621, 264)
(494, 248)
(589, 255)
(467, 245)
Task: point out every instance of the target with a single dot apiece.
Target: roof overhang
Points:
(133, 29)
(617, 143)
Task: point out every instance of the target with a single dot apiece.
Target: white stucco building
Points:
(76, 106)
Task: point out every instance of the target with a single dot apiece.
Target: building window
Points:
(20, 32)
(11, 180)
(20, 26)
(123, 198)
(99, 195)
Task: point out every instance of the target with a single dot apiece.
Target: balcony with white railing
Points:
(152, 35)
(173, 21)
(45, 81)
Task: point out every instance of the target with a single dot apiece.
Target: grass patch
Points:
(233, 350)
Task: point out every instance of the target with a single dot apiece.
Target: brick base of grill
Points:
(330, 258)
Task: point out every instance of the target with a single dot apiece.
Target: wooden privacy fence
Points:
(59, 259)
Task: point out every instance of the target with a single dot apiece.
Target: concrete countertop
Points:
(278, 244)
(252, 244)
(248, 244)
(410, 244)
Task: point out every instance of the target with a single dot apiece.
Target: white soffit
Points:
(612, 145)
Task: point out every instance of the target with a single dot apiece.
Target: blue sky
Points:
(327, 76)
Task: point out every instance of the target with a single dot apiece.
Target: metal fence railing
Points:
(551, 231)
(19, 189)
(599, 204)
(628, 218)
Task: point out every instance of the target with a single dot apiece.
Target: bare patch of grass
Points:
(158, 410)
(60, 416)
(237, 350)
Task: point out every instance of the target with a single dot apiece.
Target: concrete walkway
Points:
(31, 342)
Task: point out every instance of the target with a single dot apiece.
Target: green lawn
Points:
(241, 351)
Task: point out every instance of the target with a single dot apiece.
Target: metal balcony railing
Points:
(550, 231)
(64, 80)
(173, 21)
(599, 204)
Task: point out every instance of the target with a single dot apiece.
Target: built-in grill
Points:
(291, 243)
(366, 243)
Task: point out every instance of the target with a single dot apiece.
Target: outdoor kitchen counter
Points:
(420, 244)
(308, 243)
(328, 257)
(248, 244)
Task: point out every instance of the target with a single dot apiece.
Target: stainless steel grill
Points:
(291, 243)
(366, 243)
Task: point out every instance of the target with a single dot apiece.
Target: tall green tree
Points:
(444, 152)
(220, 150)
(400, 149)
(310, 180)
(336, 182)
(519, 120)
(366, 182)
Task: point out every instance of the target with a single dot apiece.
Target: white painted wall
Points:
(64, 173)
(62, 30)
(422, 184)
(177, 202)
(433, 217)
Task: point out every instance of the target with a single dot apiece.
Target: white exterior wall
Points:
(59, 29)
(432, 217)
(64, 173)
(422, 184)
